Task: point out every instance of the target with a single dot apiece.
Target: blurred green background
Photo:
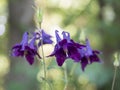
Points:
(98, 20)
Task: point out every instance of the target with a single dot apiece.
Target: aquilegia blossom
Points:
(88, 55)
(66, 48)
(46, 38)
(26, 48)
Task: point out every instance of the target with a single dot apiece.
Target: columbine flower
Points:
(88, 55)
(25, 48)
(46, 38)
(65, 48)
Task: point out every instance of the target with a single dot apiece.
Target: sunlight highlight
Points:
(4, 65)
(2, 29)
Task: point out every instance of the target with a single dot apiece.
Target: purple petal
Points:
(74, 53)
(94, 58)
(88, 48)
(84, 63)
(66, 35)
(24, 41)
(16, 46)
(36, 35)
(60, 57)
(30, 51)
(30, 54)
(32, 44)
(46, 38)
(45, 35)
(62, 42)
(80, 46)
(82, 52)
(16, 51)
(29, 58)
(58, 39)
(96, 52)
(45, 41)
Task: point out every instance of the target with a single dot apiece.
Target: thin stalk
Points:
(65, 71)
(68, 80)
(113, 83)
(44, 67)
(44, 64)
(66, 76)
(73, 69)
(50, 85)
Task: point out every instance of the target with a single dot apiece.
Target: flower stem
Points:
(69, 79)
(66, 76)
(65, 71)
(44, 65)
(72, 70)
(113, 83)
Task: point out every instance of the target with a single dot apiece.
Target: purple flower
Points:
(46, 38)
(26, 48)
(88, 55)
(65, 48)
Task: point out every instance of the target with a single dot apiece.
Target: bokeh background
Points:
(98, 20)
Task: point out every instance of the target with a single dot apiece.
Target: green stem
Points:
(44, 65)
(68, 80)
(65, 72)
(113, 83)
(66, 76)
(73, 69)
(50, 85)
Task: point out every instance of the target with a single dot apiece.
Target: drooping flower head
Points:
(65, 48)
(18, 49)
(43, 37)
(88, 55)
(26, 48)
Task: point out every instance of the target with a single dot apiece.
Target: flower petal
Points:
(16, 51)
(73, 53)
(84, 63)
(58, 39)
(46, 38)
(60, 57)
(66, 35)
(24, 41)
(94, 58)
(29, 58)
(88, 48)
